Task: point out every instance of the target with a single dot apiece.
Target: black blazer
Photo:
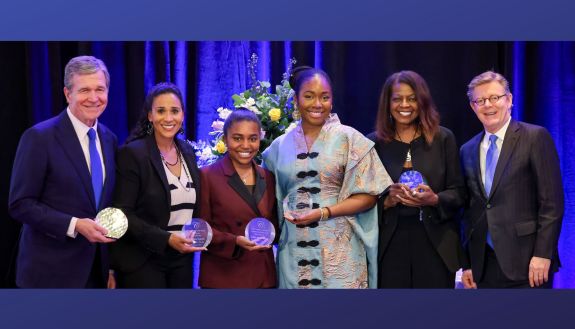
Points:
(525, 208)
(142, 192)
(439, 163)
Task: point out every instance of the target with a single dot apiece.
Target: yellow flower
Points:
(275, 114)
(221, 147)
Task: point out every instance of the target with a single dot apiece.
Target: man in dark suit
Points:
(514, 182)
(63, 174)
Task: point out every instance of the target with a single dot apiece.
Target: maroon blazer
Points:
(228, 206)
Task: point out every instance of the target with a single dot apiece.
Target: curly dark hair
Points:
(141, 128)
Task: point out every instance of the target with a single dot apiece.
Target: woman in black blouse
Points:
(158, 188)
(419, 244)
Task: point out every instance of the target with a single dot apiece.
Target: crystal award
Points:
(199, 231)
(297, 204)
(114, 220)
(260, 231)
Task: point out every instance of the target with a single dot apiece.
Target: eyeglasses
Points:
(492, 99)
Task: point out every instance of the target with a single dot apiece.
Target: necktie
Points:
(490, 165)
(95, 167)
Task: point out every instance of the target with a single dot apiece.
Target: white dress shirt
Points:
(484, 146)
(82, 132)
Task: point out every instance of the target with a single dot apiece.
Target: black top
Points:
(439, 164)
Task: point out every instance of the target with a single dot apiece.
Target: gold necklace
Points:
(408, 157)
(244, 178)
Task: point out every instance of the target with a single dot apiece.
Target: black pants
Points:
(494, 278)
(98, 278)
(169, 271)
(411, 261)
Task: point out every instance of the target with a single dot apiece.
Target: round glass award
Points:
(114, 220)
(297, 204)
(199, 231)
(412, 178)
(260, 231)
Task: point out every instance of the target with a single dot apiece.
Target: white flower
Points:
(290, 127)
(224, 113)
(250, 104)
(262, 134)
(218, 125)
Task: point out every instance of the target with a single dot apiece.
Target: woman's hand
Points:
(183, 245)
(307, 218)
(396, 193)
(420, 196)
(249, 245)
(111, 280)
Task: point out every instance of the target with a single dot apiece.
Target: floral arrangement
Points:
(274, 110)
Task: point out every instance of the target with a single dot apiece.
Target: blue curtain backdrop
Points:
(542, 76)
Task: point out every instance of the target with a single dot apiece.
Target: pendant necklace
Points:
(408, 157)
(244, 178)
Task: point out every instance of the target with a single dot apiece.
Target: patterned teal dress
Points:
(339, 252)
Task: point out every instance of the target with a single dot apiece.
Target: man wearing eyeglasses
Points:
(515, 207)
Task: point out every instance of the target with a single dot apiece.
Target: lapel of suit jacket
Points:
(509, 142)
(236, 183)
(66, 136)
(475, 161)
(156, 160)
(107, 143)
(190, 159)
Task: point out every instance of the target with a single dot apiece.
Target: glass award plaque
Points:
(412, 178)
(297, 204)
(114, 220)
(260, 231)
(199, 231)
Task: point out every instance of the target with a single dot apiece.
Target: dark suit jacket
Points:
(525, 207)
(143, 193)
(51, 183)
(228, 206)
(439, 163)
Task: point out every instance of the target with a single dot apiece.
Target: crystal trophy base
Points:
(411, 178)
(260, 231)
(199, 231)
(114, 220)
(297, 204)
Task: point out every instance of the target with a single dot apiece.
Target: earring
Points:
(295, 114)
(149, 128)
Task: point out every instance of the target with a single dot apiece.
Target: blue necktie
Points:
(490, 165)
(95, 167)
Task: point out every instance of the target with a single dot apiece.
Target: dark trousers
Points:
(494, 278)
(97, 278)
(167, 271)
(411, 261)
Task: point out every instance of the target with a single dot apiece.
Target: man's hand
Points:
(92, 231)
(467, 280)
(538, 271)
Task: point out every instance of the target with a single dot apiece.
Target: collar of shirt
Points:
(80, 128)
(500, 135)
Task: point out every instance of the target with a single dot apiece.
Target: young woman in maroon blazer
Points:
(234, 191)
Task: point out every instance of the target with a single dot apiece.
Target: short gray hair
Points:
(84, 65)
(487, 77)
